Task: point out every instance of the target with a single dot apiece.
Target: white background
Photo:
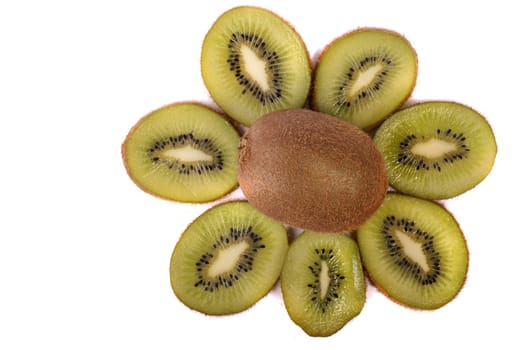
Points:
(84, 253)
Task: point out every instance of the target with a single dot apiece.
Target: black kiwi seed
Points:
(257, 44)
(244, 265)
(205, 145)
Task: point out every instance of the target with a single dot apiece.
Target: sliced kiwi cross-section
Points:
(185, 152)
(227, 259)
(436, 149)
(364, 76)
(254, 62)
(414, 251)
(322, 282)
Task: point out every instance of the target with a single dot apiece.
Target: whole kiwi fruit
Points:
(311, 170)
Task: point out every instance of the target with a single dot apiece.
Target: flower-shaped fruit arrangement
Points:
(313, 168)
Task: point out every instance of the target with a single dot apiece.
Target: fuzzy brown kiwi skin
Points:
(362, 29)
(294, 30)
(124, 151)
(311, 205)
(385, 293)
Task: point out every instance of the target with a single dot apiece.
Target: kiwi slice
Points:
(436, 149)
(414, 252)
(365, 75)
(185, 152)
(227, 259)
(322, 282)
(254, 62)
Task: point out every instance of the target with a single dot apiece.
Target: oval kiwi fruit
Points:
(414, 251)
(311, 170)
(227, 259)
(365, 75)
(184, 152)
(322, 282)
(254, 62)
(436, 149)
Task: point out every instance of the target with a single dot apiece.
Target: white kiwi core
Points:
(324, 279)
(255, 67)
(227, 259)
(187, 154)
(413, 250)
(433, 148)
(364, 79)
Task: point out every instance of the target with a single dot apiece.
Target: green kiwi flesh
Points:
(322, 282)
(254, 62)
(311, 170)
(184, 152)
(414, 252)
(227, 259)
(436, 149)
(364, 76)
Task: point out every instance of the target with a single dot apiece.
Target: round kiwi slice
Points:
(365, 75)
(227, 259)
(414, 252)
(254, 62)
(436, 149)
(322, 282)
(185, 152)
